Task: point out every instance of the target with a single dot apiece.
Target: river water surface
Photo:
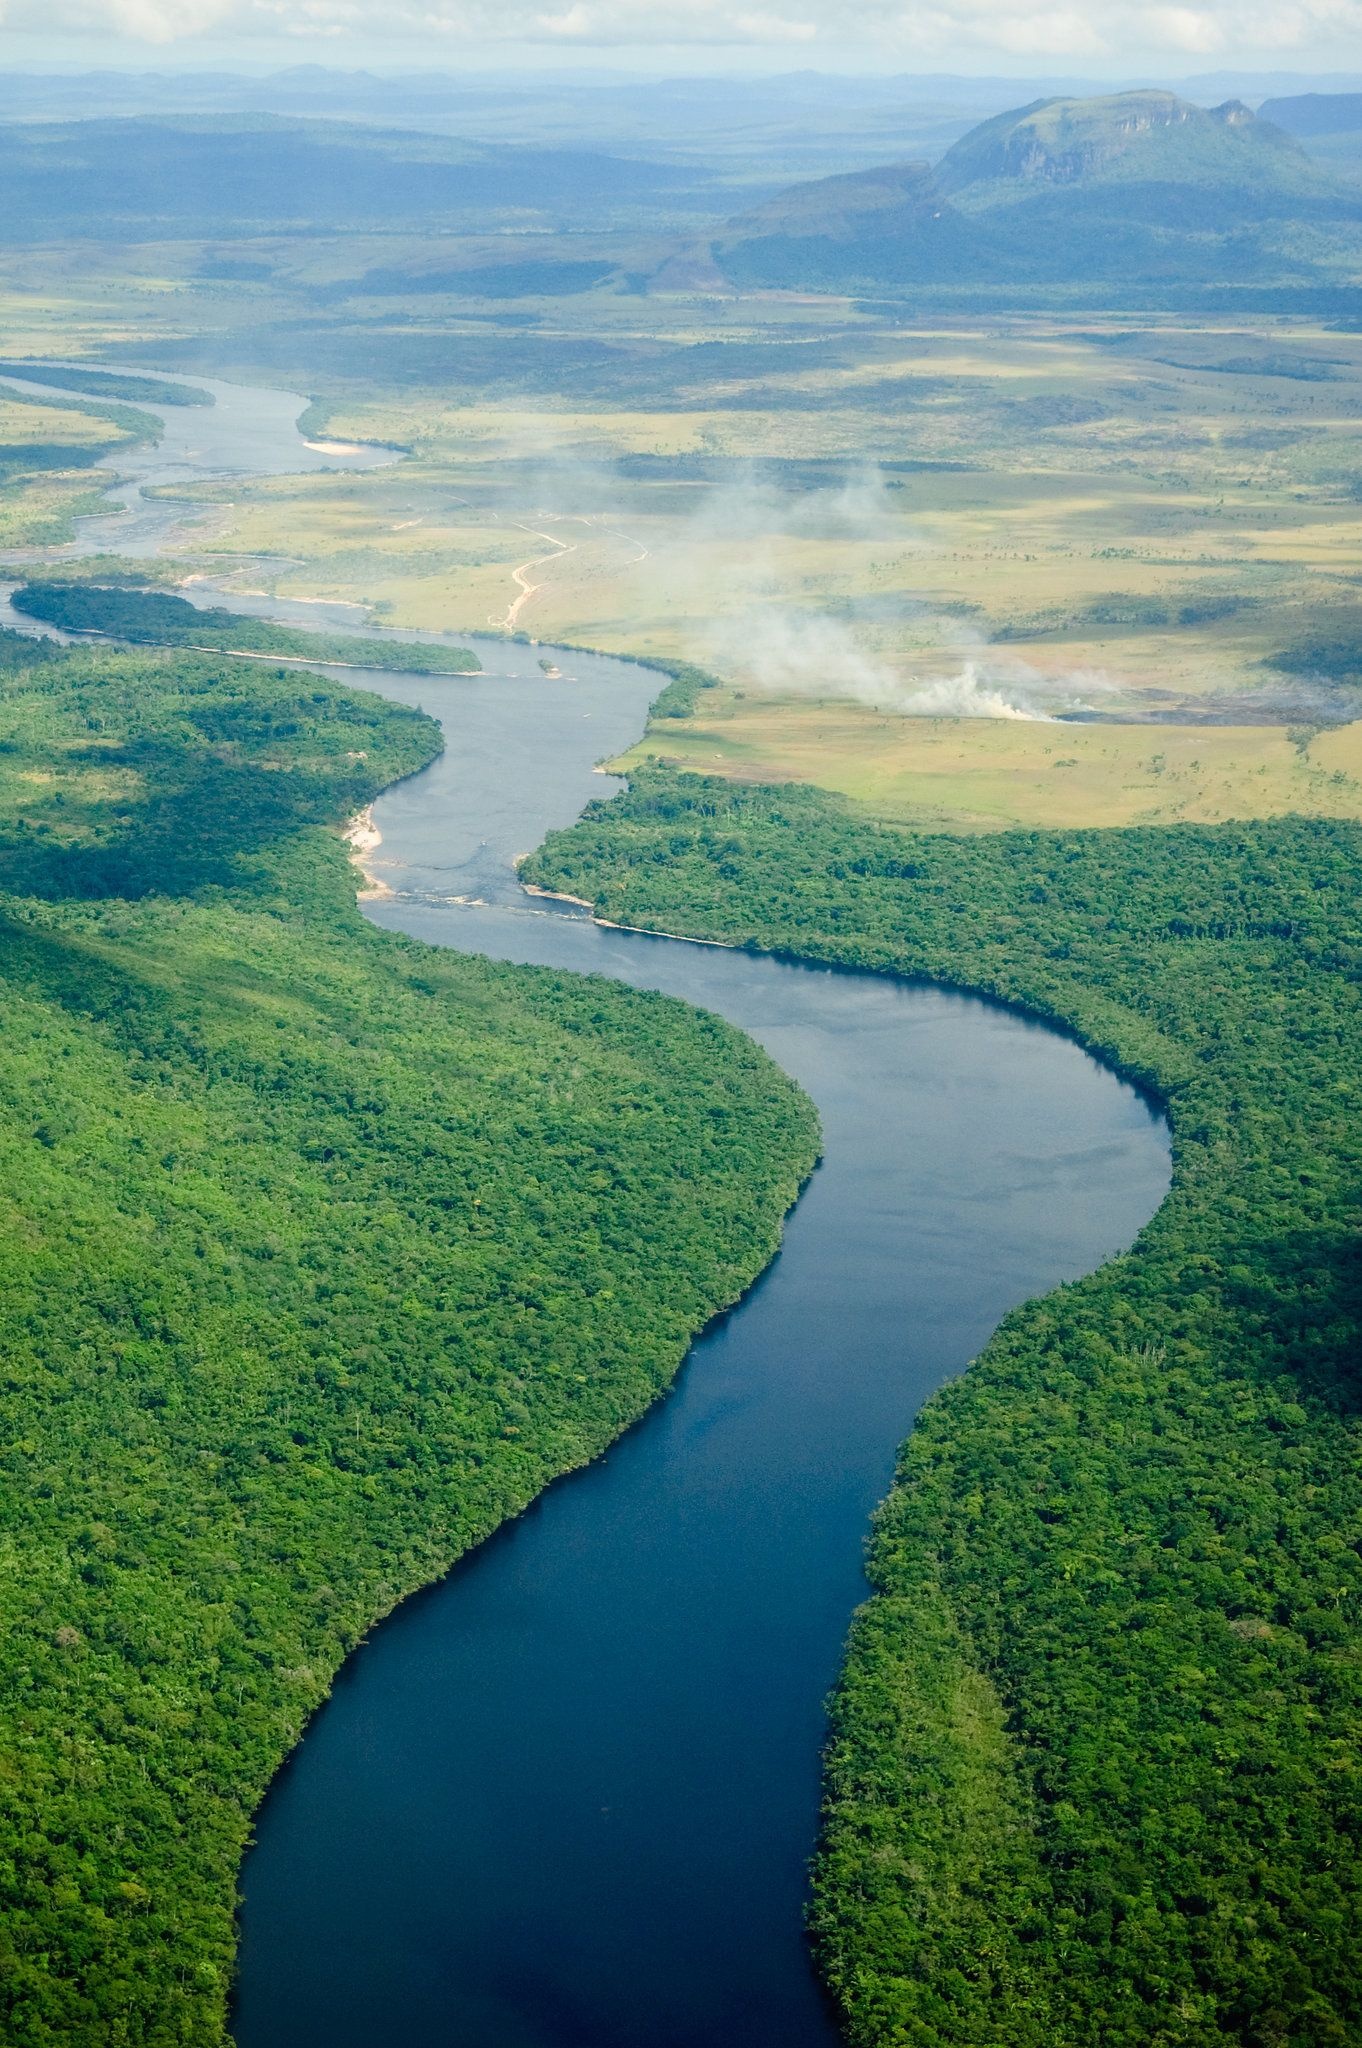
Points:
(566, 1798)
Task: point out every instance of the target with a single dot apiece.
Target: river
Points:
(567, 1797)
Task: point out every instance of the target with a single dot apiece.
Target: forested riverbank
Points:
(157, 618)
(324, 1252)
(1093, 1767)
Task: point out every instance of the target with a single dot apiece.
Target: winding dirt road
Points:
(520, 576)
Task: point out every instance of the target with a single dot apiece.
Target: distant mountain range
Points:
(229, 176)
(750, 135)
(1126, 196)
(1328, 124)
(1129, 188)
(1316, 113)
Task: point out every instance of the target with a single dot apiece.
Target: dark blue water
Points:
(567, 1798)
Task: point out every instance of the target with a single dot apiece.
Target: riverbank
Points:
(245, 1442)
(1104, 1659)
(363, 838)
(157, 618)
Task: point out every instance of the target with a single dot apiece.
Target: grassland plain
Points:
(1189, 448)
(1136, 516)
(322, 1253)
(1093, 1768)
(985, 775)
(47, 449)
(1150, 548)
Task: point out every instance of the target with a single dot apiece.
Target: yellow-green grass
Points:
(1067, 577)
(37, 505)
(1146, 552)
(38, 510)
(1204, 521)
(988, 774)
(41, 426)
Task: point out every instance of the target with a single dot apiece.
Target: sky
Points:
(1111, 38)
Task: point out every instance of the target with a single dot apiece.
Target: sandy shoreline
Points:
(363, 838)
(610, 923)
(342, 447)
(553, 895)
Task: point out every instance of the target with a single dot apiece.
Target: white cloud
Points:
(1193, 29)
(943, 32)
(1049, 35)
(576, 22)
(774, 28)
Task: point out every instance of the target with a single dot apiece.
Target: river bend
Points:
(567, 1797)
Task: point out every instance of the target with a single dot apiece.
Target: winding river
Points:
(567, 1797)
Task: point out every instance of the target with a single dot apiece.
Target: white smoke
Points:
(807, 654)
(744, 581)
(966, 694)
(749, 627)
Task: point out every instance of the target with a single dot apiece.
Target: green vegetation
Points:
(107, 383)
(1094, 1768)
(177, 177)
(318, 1240)
(322, 1253)
(989, 774)
(38, 509)
(60, 433)
(159, 619)
(679, 697)
(1141, 193)
(45, 445)
(1140, 525)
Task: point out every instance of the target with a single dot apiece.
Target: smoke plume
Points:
(748, 582)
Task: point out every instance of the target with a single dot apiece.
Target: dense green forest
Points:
(1093, 1774)
(157, 618)
(137, 390)
(322, 1252)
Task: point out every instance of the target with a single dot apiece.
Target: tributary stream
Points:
(567, 1797)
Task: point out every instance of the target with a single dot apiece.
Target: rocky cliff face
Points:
(1141, 189)
(1060, 141)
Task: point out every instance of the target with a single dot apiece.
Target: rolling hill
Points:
(1327, 124)
(174, 178)
(1136, 188)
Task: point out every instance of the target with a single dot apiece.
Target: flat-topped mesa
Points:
(1141, 190)
(1154, 135)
